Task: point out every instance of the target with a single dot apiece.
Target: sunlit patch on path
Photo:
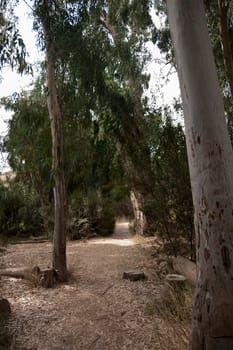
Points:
(120, 236)
(121, 242)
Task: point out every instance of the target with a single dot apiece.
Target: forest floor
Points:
(97, 309)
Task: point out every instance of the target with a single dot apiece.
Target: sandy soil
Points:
(97, 309)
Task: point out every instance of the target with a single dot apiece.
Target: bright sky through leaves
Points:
(160, 91)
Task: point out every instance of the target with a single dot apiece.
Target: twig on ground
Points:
(106, 290)
(94, 341)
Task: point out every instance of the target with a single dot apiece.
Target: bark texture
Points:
(211, 168)
(139, 217)
(59, 236)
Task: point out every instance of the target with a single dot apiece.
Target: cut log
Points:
(134, 276)
(186, 268)
(5, 308)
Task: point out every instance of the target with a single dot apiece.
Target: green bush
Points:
(90, 214)
(168, 207)
(19, 213)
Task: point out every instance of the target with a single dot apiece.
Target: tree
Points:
(220, 28)
(128, 23)
(45, 10)
(210, 163)
(12, 48)
(168, 205)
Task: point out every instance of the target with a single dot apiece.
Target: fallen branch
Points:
(32, 240)
(94, 341)
(106, 290)
(44, 278)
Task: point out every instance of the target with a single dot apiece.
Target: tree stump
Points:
(134, 276)
(48, 278)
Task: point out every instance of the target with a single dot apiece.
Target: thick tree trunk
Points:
(59, 236)
(211, 168)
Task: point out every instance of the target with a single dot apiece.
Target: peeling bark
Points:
(211, 168)
(139, 217)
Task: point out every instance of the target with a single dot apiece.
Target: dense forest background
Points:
(122, 155)
(87, 146)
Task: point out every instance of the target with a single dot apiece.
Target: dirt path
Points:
(97, 309)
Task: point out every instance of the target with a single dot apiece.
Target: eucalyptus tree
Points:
(210, 163)
(129, 25)
(46, 12)
(219, 21)
(28, 141)
(12, 48)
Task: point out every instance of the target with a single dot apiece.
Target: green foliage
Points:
(28, 142)
(168, 206)
(19, 215)
(91, 168)
(111, 144)
(162, 38)
(12, 48)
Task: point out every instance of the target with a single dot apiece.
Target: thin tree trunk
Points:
(211, 168)
(139, 217)
(59, 236)
(140, 222)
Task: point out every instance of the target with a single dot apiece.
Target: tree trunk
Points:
(139, 217)
(211, 169)
(59, 236)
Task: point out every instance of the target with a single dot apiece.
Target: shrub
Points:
(19, 214)
(168, 207)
